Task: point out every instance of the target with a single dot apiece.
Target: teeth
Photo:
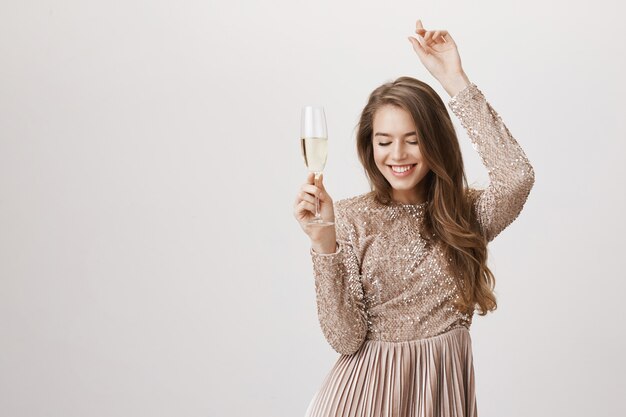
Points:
(401, 169)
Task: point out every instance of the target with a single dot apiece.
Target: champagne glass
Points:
(314, 146)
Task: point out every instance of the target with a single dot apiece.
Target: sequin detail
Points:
(511, 176)
(386, 281)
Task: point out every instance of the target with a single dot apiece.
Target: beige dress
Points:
(384, 298)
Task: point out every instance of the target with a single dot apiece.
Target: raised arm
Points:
(340, 302)
(510, 173)
(511, 176)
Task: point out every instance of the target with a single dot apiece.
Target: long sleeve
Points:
(511, 176)
(339, 292)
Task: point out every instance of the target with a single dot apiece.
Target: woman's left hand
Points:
(437, 51)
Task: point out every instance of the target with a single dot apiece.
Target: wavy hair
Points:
(449, 216)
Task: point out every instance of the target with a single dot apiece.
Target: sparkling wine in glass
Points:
(314, 146)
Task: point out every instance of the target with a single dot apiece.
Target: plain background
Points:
(150, 263)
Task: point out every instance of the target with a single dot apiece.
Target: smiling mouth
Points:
(401, 170)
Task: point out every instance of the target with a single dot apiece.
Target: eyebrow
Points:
(388, 135)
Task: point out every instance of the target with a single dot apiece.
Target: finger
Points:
(303, 196)
(306, 206)
(311, 189)
(448, 38)
(310, 178)
(321, 182)
(432, 40)
(322, 195)
(426, 42)
(309, 206)
(439, 36)
(418, 25)
(417, 45)
(316, 180)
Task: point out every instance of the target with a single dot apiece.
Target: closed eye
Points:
(414, 142)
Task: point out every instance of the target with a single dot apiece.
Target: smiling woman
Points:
(401, 274)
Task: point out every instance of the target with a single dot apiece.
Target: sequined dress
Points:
(384, 298)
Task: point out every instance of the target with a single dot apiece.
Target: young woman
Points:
(400, 274)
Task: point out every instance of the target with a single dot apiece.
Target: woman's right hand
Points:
(322, 237)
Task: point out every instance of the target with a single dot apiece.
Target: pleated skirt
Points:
(432, 377)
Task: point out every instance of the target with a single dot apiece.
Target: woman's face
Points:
(397, 154)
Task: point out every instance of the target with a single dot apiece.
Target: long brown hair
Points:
(449, 216)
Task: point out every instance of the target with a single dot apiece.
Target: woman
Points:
(400, 274)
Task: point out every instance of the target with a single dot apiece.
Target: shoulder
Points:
(472, 194)
(352, 206)
(348, 212)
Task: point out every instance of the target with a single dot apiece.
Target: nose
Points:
(398, 153)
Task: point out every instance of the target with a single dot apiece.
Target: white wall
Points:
(150, 263)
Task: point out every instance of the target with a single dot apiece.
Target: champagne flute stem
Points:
(317, 200)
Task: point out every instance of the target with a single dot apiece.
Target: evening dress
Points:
(384, 298)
